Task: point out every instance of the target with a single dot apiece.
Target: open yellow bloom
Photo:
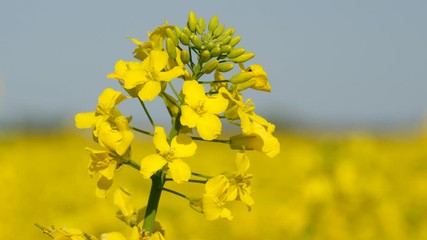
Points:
(240, 181)
(146, 77)
(106, 164)
(201, 111)
(214, 199)
(116, 137)
(260, 139)
(170, 155)
(105, 109)
(260, 78)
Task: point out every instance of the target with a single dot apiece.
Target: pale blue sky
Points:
(329, 62)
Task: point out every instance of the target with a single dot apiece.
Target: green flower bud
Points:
(234, 41)
(192, 21)
(226, 48)
(184, 38)
(224, 67)
(225, 40)
(170, 34)
(178, 31)
(187, 31)
(241, 77)
(210, 45)
(244, 57)
(218, 30)
(229, 32)
(210, 66)
(213, 23)
(205, 56)
(236, 52)
(246, 85)
(196, 41)
(170, 48)
(201, 25)
(216, 51)
(185, 56)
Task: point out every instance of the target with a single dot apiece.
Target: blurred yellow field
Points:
(355, 186)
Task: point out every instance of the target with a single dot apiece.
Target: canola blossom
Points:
(198, 58)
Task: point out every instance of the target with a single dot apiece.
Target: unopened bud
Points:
(216, 51)
(184, 38)
(245, 142)
(170, 34)
(213, 23)
(192, 21)
(244, 57)
(218, 30)
(225, 49)
(210, 66)
(201, 25)
(170, 48)
(241, 77)
(236, 52)
(246, 85)
(185, 57)
(178, 31)
(205, 56)
(234, 41)
(229, 32)
(225, 40)
(187, 31)
(210, 45)
(196, 41)
(225, 67)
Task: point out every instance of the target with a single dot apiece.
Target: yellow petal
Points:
(213, 208)
(110, 170)
(150, 90)
(102, 186)
(160, 140)
(189, 117)
(122, 201)
(86, 119)
(184, 146)
(112, 236)
(151, 164)
(245, 122)
(108, 99)
(242, 163)
(171, 74)
(194, 92)
(216, 104)
(134, 77)
(209, 126)
(158, 60)
(179, 170)
(217, 185)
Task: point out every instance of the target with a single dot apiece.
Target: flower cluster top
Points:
(212, 73)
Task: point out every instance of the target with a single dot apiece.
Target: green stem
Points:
(209, 82)
(213, 140)
(201, 175)
(133, 164)
(176, 193)
(157, 182)
(147, 113)
(175, 92)
(189, 180)
(141, 131)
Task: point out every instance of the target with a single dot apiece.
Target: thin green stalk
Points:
(157, 182)
(147, 113)
(201, 175)
(176, 193)
(175, 92)
(215, 81)
(213, 140)
(141, 131)
(190, 180)
(133, 164)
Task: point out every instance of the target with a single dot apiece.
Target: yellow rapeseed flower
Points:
(146, 77)
(214, 199)
(260, 78)
(106, 164)
(201, 111)
(170, 155)
(105, 109)
(240, 181)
